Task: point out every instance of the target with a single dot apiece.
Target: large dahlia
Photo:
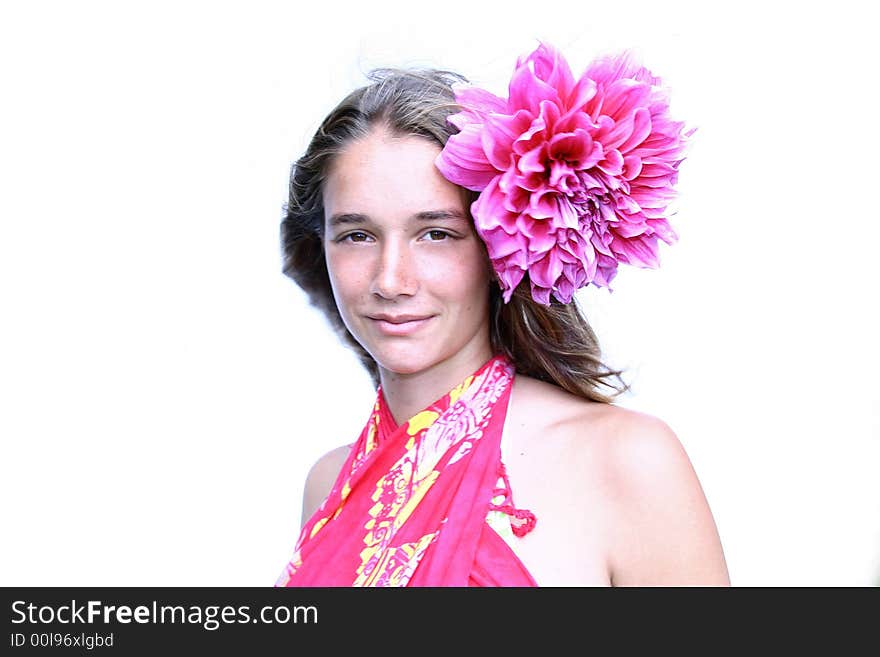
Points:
(575, 175)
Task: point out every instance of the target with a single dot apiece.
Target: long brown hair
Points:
(554, 344)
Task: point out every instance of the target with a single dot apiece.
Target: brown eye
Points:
(355, 237)
(437, 235)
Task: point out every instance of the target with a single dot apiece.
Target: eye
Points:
(437, 235)
(356, 236)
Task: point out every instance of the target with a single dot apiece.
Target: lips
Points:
(398, 319)
(399, 324)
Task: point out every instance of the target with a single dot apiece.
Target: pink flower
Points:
(575, 175)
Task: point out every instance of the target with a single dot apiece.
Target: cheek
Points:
(465, 279)
(346, 278)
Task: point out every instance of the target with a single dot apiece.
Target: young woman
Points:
(493, 454)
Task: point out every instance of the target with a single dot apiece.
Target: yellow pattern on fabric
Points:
(409, 485)
(455, 393)
(392, 519)
(398, 563)
(417, 495)
(372, 441)
(318, 525)
(372, 432)
(421, 421)
(500, 521)
(399, 511)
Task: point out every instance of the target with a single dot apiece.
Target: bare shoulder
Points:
(636, 450)
(640, 450)
(657, 528)
(630, 447)
(663, 531)
(321, 478)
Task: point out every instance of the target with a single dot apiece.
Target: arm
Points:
(320, 480)
(665, 534)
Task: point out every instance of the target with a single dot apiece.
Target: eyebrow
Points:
(355, 218)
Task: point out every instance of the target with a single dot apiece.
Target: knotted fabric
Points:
(409, 506)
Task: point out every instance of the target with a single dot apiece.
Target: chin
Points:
(409, 361)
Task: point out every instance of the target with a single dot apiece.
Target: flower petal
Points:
(463, 162)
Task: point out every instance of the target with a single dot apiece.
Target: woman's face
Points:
(408, 272)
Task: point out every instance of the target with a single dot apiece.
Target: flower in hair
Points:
(575, 175)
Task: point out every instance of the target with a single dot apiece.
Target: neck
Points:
(407, 394)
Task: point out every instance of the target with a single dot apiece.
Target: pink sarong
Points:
(409, 506)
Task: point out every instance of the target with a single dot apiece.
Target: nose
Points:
(395, 272)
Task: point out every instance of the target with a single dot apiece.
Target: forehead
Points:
(386, 176)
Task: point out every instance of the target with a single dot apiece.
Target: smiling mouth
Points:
(397, 326)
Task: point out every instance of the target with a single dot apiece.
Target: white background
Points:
(164, 389)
